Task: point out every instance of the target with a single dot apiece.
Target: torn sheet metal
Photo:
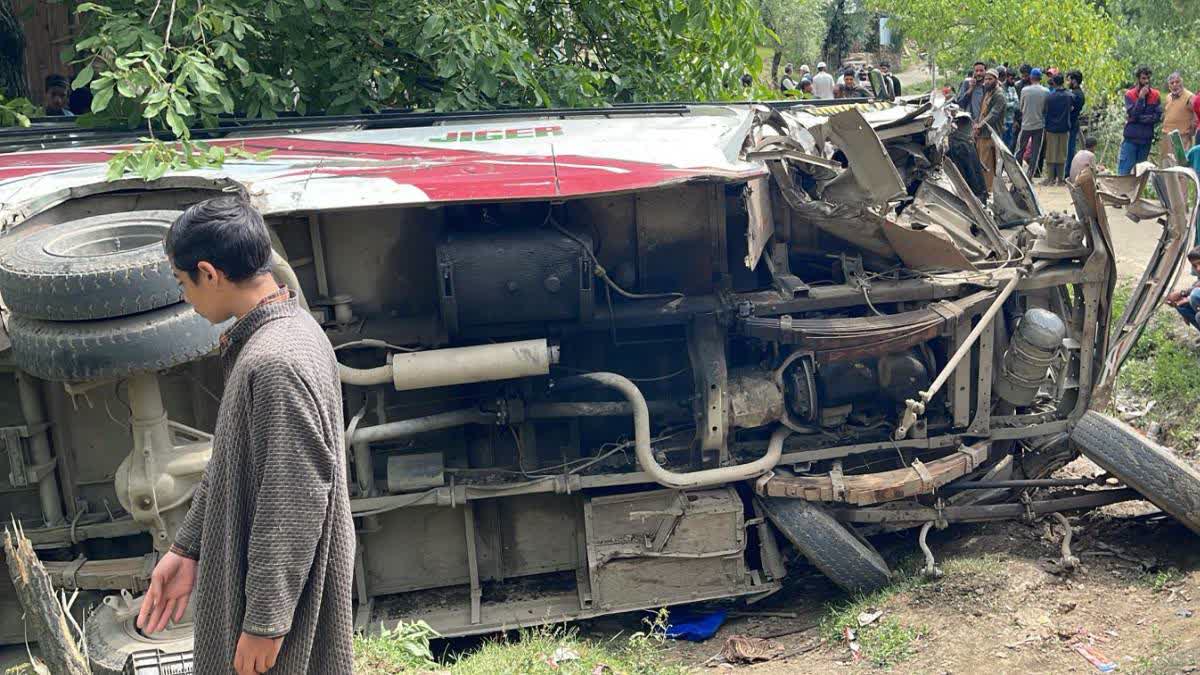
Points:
(849, 223)
(866, 157)
(760, 219)
(1173, 186)
(1013, 198)
(925, 247)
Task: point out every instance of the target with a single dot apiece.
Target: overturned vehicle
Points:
(593, 360)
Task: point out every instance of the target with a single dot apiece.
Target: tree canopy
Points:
(187, 62)
(1068, 34)
(168, 64)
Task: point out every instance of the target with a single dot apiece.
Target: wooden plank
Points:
(45, 616)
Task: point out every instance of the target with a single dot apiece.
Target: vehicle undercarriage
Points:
(561, 407)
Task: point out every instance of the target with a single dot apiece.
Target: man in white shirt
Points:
(822, 82)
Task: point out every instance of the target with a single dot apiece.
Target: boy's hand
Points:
(170, 589)
(256, 654)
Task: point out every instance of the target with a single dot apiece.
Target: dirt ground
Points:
(1001, 606)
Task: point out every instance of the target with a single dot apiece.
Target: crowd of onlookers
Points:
(1036, 113)
(851, 83)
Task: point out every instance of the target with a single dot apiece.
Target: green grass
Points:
(1161, 580)
(530, 653)
(1162, 366)
(885, 642)
(1163, 657)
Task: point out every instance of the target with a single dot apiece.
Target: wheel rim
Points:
(107, 239)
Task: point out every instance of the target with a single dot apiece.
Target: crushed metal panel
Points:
(925, 248)
(866, 156)
(1018, 201)
(983, 220)
(761, 223)
(1164, 265)
(850, 223)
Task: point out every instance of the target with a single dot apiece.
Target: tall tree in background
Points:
(800, 26)
(838, 34)
(12, 53)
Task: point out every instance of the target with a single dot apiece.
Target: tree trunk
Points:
(43, 614)
(12, 53)
(775, 59)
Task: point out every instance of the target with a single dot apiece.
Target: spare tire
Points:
(1153, 470)
(836, 549)
(93, 268)
(93, 350)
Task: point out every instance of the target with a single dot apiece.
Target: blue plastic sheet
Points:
(693, 626)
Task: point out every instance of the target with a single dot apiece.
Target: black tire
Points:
(1151, 469)
(93, 268)
(840, 553)
(92, 350)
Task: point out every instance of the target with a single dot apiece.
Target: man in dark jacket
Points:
(991, 118)
(970, 93)
(1058, 125)
(1026, 71)
(1143, 112)
(1075, 86)
(850, 86)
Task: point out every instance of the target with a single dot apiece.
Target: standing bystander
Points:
(970, 93)
(1058, 128)
(1033, 121)
(268, 543)
(890, 79)
(1177, 116)
(823, 82)
(1143, 112)
(1012, 100)
(991, 118)
(1075, 86)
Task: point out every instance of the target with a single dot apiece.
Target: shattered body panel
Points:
(581, 356)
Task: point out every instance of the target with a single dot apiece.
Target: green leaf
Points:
(178, 126)
(126, 89)
(83, 77)
(101, 98)
(116, 168)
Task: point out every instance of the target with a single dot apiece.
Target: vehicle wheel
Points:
(112, 636)
(91, 350)
(1151, 469)
(835, 549)
(93, 268)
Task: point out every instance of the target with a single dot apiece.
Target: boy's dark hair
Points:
(225, 231)
(1075, 75)
(1057, 80)
(1089, 143)
(979, 63)
(56, 80)
(1142, 69)
(1025, 69)
(1194, 254)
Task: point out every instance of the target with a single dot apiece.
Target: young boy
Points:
(58, 90)
(1187, 302)
(268, 543)
(1083, 160)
